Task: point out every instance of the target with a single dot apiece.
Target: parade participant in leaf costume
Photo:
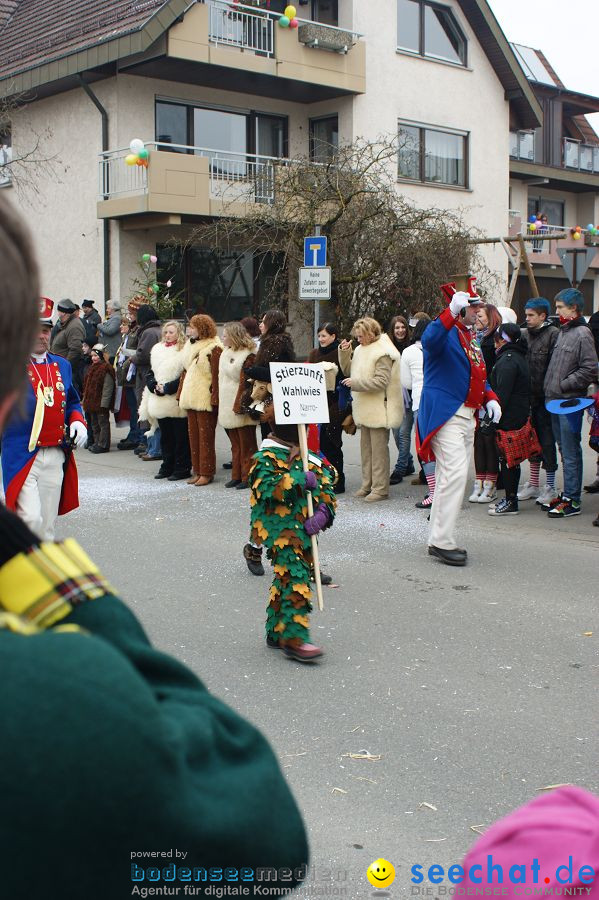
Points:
(280, 522)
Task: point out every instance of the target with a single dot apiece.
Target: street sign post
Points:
(315, 251)
(315, 283)
(576, 262)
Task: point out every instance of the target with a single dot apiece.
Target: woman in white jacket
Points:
(166, 359)
(238, 355)
(412, 379)
(375, 383)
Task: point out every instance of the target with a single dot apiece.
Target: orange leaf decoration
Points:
(303, 589)
(301, 620)
(280, 627)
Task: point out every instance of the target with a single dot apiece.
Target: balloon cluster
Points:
(288, 19)
(592, 229)
(576, 232)
(535, 223)
(139, 155)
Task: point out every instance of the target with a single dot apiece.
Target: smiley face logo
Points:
(380, 873)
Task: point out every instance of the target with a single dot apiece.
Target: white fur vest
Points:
(195, 393)
(377, 409)
(229, 374)
(167, 365)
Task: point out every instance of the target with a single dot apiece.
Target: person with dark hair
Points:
(120, 725)
(98, 398)
(91, 320)
(399, 335)
(253, 329)
(510, 381)
(331, 433)
(541, 336)
(486, 460)
(149, 333)
(276, 345)
(572, 368)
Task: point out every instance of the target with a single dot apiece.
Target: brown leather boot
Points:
(253, 557)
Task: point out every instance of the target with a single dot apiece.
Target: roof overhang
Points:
(61, 73)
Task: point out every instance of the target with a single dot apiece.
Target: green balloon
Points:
(284, 21)
(143, 154)
(146, 257)
(155, 288)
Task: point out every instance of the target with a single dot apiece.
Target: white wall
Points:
(59, 198)
(400, 86)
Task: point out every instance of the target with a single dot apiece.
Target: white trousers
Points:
(452, 446)
(39, 499)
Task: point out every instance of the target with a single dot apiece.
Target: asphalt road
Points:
(471, 688)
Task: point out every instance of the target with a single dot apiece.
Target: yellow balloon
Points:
(131, 159)
(576, 235)
(290, 11)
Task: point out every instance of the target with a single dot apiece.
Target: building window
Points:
(553, 209)
(235, 134)
(5, 158)
(431, 30)
(324, 138)
(432, 155)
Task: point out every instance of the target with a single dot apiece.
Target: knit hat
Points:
(559, 829)
(146, 313)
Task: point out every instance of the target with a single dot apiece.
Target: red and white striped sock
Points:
(535, 468)
(430, 480)
(491, 476)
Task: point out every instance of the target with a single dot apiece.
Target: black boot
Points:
(253, 558)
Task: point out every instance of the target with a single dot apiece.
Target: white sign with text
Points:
(315, 284)
(299, 393)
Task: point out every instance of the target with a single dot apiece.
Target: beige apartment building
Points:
(222, 96)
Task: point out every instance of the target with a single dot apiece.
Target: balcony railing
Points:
(522, 145)
(234, 177)
(235, 25)
(239, 26)
(583, 157)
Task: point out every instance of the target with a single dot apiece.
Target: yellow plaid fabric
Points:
(42, 585)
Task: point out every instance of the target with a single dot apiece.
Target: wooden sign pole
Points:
(303, 442)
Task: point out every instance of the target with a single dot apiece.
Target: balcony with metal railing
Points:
(321, 60)
(185, 181)
(544, 241)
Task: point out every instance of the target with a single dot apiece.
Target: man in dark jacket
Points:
(541, 336)
(572, 368)
(117, 766)
(69, 337)
(91, 320)
(510, 381)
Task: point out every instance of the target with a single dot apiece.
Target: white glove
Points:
(459, 301)
(78, 434)
(494, 411)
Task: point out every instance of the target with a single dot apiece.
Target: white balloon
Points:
(136, 145)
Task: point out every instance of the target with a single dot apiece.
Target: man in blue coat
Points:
(38, 467)
(455, 387)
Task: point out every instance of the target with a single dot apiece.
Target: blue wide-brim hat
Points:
(563, 407)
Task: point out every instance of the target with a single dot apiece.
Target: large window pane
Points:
(5, 159)
(408, 25)
(409, 152)
(221, 283)
(441, 37)
(324, 138)
(527, 145)
(171, 123)
(218, 130)
(270, 136)
(444, 158)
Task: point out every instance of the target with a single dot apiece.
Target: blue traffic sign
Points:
(315, 251)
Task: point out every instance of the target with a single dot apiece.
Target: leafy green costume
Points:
(279, 510)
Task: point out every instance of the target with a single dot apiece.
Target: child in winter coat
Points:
(98, 398)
